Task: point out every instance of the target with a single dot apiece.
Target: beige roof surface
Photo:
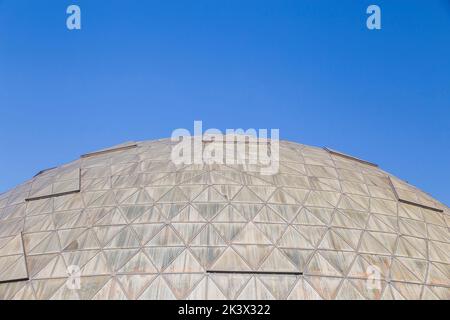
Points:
(138, 227)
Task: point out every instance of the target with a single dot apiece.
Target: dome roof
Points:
(127, 223)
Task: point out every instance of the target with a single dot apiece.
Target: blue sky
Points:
(138, 70)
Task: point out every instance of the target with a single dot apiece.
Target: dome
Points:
(128, 223)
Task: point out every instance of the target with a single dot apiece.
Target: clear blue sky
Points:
(139, 69)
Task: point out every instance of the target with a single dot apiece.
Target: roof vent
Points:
(410, 195)
(343, 155)
(54, 183)
(120, 147)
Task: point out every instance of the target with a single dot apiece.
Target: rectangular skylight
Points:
(55, 182)
(343, 155)
(120, 147)
(13, 266)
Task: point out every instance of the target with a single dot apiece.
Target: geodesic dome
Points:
(126, 223)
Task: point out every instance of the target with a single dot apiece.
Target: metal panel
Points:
(13, 266)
